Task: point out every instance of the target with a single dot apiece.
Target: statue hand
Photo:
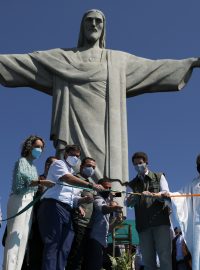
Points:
(196, 63)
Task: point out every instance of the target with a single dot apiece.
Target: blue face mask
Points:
(36, 152)
(88, 171)
(141, 168)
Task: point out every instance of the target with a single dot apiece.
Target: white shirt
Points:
(60, 191)
(163, 181)
(187, 211)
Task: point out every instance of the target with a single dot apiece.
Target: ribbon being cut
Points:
(164, 197)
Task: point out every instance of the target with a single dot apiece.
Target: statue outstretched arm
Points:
(21, 70)
(148, 76)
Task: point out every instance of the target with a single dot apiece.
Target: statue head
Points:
(82, 34)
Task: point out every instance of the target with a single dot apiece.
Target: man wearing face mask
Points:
(82, 224)
(55, 211)
(187, 210)
(100, 225)
(151, 214)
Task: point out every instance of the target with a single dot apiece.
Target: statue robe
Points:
(187, 212)
(96, 121)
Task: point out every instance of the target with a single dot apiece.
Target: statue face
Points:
(93, 26)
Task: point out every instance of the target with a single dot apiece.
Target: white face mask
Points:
(141, 168)
(72, 160)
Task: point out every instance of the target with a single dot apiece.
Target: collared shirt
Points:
(163, 181)
(100, 222)
(60, 191)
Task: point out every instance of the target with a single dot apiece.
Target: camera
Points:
(117, 194)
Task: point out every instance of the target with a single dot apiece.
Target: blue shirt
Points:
(100, 222)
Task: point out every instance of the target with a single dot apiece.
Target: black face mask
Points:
(105, 194)
(198, 168)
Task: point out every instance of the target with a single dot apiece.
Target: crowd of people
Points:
(68, 218)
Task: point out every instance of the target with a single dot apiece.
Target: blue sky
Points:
(165, 125)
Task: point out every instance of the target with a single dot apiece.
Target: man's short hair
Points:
(141, 155)
(104, 180)
(50, 160)
(87, 158)
(72, 147)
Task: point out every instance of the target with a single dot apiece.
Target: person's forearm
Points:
(74, 181)
(106, 209)
(34, 183)
(41, 182)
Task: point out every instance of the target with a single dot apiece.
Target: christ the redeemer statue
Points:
(89, 85)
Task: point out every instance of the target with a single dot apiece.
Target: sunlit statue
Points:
(89, 86)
